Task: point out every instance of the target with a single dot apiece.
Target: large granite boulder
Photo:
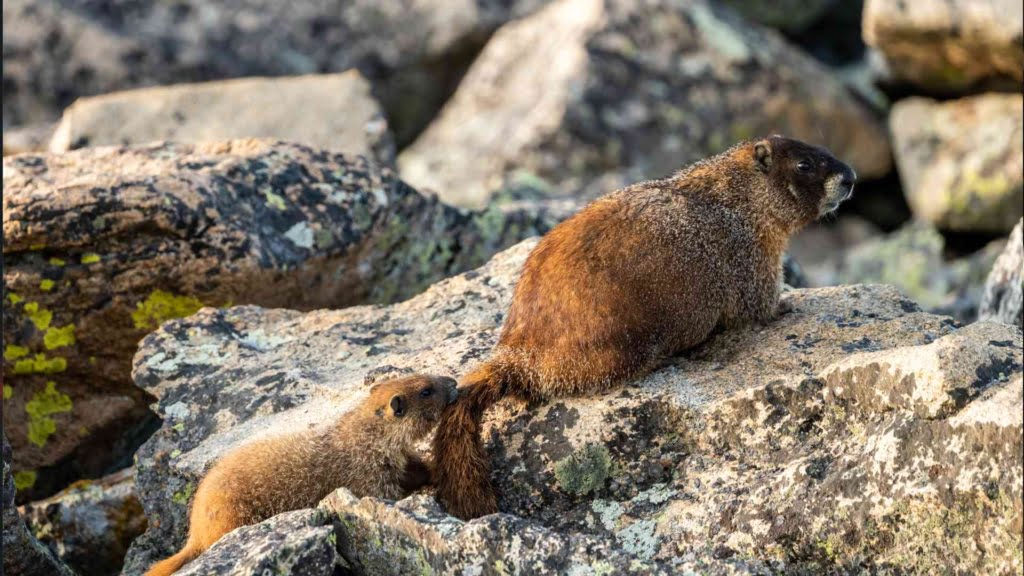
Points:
(101, 245)
(912, 258)
(962, 162)
(90, 524)
(413, 51)
(584, 96)
(23, 554)
(330, 111)
(1003, 299)
(842, 436)
(949, 46)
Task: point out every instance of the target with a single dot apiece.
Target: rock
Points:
(23, 554)
(949, 45)
(962, 162)
(90, 524)
(299, 542)
(1003, 299)
(33, 138)
(820, 247)
(788, 15)
(415, 536)
(745, 447)
(912, 260)
(102, 245)
(337, 113)
(585, 96)
(58, 50)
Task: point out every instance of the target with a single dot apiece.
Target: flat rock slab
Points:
(962, 161)
(333, 112)
(949, 46)
(745, 447)
(101, 245)
(585, 96)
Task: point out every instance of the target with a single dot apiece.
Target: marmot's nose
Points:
(849, 177)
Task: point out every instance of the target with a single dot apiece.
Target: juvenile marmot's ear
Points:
(398, 405)
(763, 155)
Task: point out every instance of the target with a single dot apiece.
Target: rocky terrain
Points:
(224, 220)
(838, 437)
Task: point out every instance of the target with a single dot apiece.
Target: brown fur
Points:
(640, 274)
(369, 451)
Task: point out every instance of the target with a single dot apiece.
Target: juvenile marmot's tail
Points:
(461, 465)
(174, 563)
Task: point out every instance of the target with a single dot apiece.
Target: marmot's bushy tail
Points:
(461, 465)
(174, 563)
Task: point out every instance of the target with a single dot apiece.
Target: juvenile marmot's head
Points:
(810, 180)
(411, 405)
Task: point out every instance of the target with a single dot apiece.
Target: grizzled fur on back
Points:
(640, 274)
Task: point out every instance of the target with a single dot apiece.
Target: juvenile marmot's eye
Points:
(803, 166)
(426, 392)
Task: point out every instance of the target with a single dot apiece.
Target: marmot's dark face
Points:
(413, 404)
(813, 180)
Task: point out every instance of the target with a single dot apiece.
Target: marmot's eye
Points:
(804, 166)
(426, 392)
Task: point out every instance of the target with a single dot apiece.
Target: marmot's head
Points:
(410, 406)
(810, 180)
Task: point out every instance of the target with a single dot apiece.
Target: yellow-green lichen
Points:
(36, 246)
(46, 285)
(12, 352)
(39, 409)
(56, 262)
(59, 337)
(41, 317)
(90, 258)
(8, 392)
(585, 470)
(162, 306)
(275, 200)
(24, 479)
(184, 495)
(40, 364)
(14, 298)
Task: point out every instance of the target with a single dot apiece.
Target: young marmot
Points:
(640, 274)
(369, 451)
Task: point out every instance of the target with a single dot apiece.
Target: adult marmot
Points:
(640, 274)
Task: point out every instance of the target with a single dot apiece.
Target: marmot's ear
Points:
(763, 155)
(398, 405)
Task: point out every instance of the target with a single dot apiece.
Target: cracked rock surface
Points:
(102, 245)
(856, 432)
